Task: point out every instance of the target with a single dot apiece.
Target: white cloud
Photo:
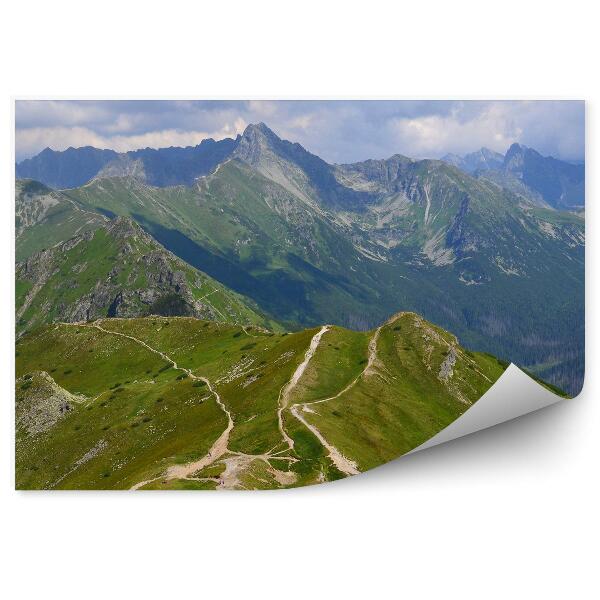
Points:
(436, 135)
(338, 131)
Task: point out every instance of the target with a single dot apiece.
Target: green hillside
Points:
(44, 217)
(159, 403)
(118, 270)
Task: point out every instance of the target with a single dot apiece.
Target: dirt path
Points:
(346, 466)
(369, 369)
(284, 394)
(142, 343)
(235, 462)
(217, 449)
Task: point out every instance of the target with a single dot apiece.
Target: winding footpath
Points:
(235, 461)
(345, 465)
(368, 370)
(217, 449)
(284, 393)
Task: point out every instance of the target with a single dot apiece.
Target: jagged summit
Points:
(256, 139)
(260, 127)
(483, 159)
(515, 149)
(126, 227)
(258, 142)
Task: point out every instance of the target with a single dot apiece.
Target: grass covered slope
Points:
(189, 404)
(119, 270)
(45, 217)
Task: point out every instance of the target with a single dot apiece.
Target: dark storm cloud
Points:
(339, 131)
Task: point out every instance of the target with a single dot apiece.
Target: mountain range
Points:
(554, 182)
(546, 180)
(484, 247)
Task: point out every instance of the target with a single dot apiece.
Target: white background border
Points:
(509, 512)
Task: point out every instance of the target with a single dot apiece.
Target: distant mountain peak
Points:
(483, 159)
(256, 140)
(260, 126)
(489, 153)
(515, 148)
(259, 129)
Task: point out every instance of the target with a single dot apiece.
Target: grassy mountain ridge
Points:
(184, 403)
(119, 270)
(45, 217)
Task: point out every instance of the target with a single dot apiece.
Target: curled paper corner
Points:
(513, 395)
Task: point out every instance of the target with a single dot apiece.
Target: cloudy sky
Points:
(338, 131)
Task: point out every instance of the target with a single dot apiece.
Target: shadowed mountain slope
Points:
(118, 270)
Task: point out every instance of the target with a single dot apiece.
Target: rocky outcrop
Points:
(41, 402)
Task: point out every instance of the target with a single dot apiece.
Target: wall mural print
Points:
(262, 295)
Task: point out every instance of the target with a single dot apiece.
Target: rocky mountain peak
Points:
(514, 158)
(125, 227)
(258, 129)
(255, 141)
(487, 153)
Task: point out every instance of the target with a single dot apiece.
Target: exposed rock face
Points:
(34, 200)
(297, 170)
(377, 176)
(41, 402)
(124, 166)
(256, 145)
